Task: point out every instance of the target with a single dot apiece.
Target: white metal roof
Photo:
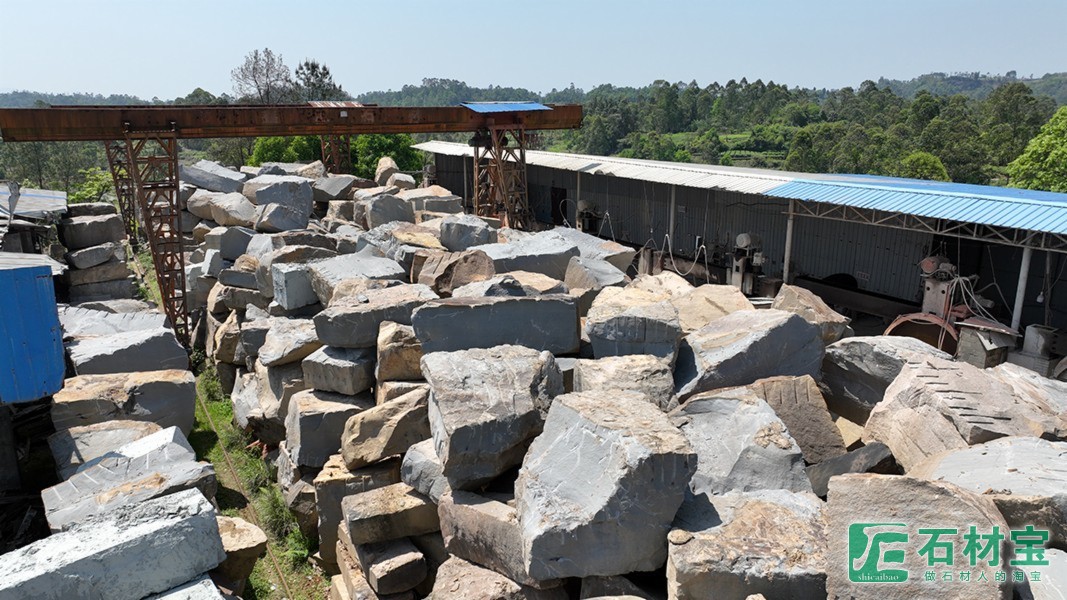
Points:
(751, 181)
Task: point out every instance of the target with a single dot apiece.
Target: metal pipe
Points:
(788, 244)
(1020, 290)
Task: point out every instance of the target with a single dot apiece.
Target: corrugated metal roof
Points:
(1030, 210)
(33, 204)
(495, 107)
(19, 260)
(751, 181)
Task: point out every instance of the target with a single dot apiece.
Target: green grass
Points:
(149, 288)
(287, 543)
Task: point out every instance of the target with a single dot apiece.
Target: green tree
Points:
(1043, 165)
(96, 183)
(314, 82)
(367, 149)
(1011, 116)
(922, 165)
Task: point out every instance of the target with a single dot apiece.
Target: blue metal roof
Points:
(496, 107)
(984, 205)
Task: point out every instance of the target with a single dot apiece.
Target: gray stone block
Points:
(353, 321)
(458, 578)
(166, 398)
(593, 247)
(625, 321)
(231, 242)
(388, 513)
(292, 285)
(212, 176)
(73, 447)
(547, 253)
(143, 350)
(386, 209)
(333, 187)
(288, 341)
(79, 233)
(341, 370)
(79, 321)
(201, 588)
(461, 232)
(131, 552)
(385, 430)
(872, 458)
(648, 375)
(485, 408)
(544, 323)
(96, 255)
(233, 209)
(326, 275)
(393, 566)
(334, 483)
(422, 470)
(315, 422)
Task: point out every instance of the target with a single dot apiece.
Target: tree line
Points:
(968, 128)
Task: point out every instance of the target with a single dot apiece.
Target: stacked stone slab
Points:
(95, 237)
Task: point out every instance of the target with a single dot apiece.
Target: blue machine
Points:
(31, 340)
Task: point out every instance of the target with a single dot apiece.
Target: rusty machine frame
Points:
(142, 151)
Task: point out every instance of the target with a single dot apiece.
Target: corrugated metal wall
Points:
(636, 212)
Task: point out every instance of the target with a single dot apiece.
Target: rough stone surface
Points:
(201, 588)
(388, 513)
(292, 285)
(745, 346)
(327, 274)
(244, 544)
(625, 321)
(212, 176)
(288, 341)
(938, 405)
(623, 459)
(71, 448)
(914, 504)
(770, 542)
(873, 458)
(593, 274)
(422, 470)
(334, 483)
(799, 404)
(386, 429)
(805, 303)
(233, 209)
(315, 422)
(231, 242)
(160, 464)
(648, 375)
(80, 321)
(547, 253)
(79, 233)
(391, 567)
(457, 578)
(126, 554)
(285, 183)
(856, 371)
(402, 181)
(352, 321)
(399, 353)
(593, 247)
(486, 406)
(333, 187)
(109, 271)
(444, 272)
(143, 350)
(278, 217)
(740, 444)
(1023, 475)
(166, 398)
(544, 323)
(96, 255)
(461, 232)
(288, 254)
(342, 370)
(385, 169)
(387, 209)
(485, 532)
(699, 306)
(500, 285)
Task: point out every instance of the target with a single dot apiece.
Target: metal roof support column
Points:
(1020, 290)
(577, 200)
(786, 270)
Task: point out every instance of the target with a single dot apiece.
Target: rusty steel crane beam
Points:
(142, 149)
(106, 123)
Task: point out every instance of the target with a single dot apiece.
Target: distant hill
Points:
(27, 99)
(976, 85)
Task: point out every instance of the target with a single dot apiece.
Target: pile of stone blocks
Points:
(95, 241)
(457, 410)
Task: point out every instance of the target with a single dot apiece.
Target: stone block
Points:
(233, 209)
(78, 233)
(873, 458)
(212, 176)
(812, 309)
(277, 217)
(127, 554)
(758, 453)
(342, 370)
(461, 232)
(651, 376)
(485, 408)
(547, 253)
(799, 404)
(231, 242)
(200, 588)
(884, 501)
(315, 421)
(333, 187)
(393, 566)
(292, 285)
(291, 254)
(166, 398)
(457, 578)
(244, 544)
(422, 470)
(385, 391)
(770, 542)
(593, 274)
(80, 321)
(593, 247)
(73, 447)
(699, 306)
(745, 346)
(334, 483)
(91, 209)
(402, 181)
(96, 255)
(544, 322)
(856, 371)
(399, 353)
(388, 513)
(385, 430)
(386, 209)
(288, 341)
(327, 274)
(625, 321)
(622, 458)
(352, 321)
(386, 168)
(109, 271)
(444, 272)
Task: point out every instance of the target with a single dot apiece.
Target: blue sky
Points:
(166, 49)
